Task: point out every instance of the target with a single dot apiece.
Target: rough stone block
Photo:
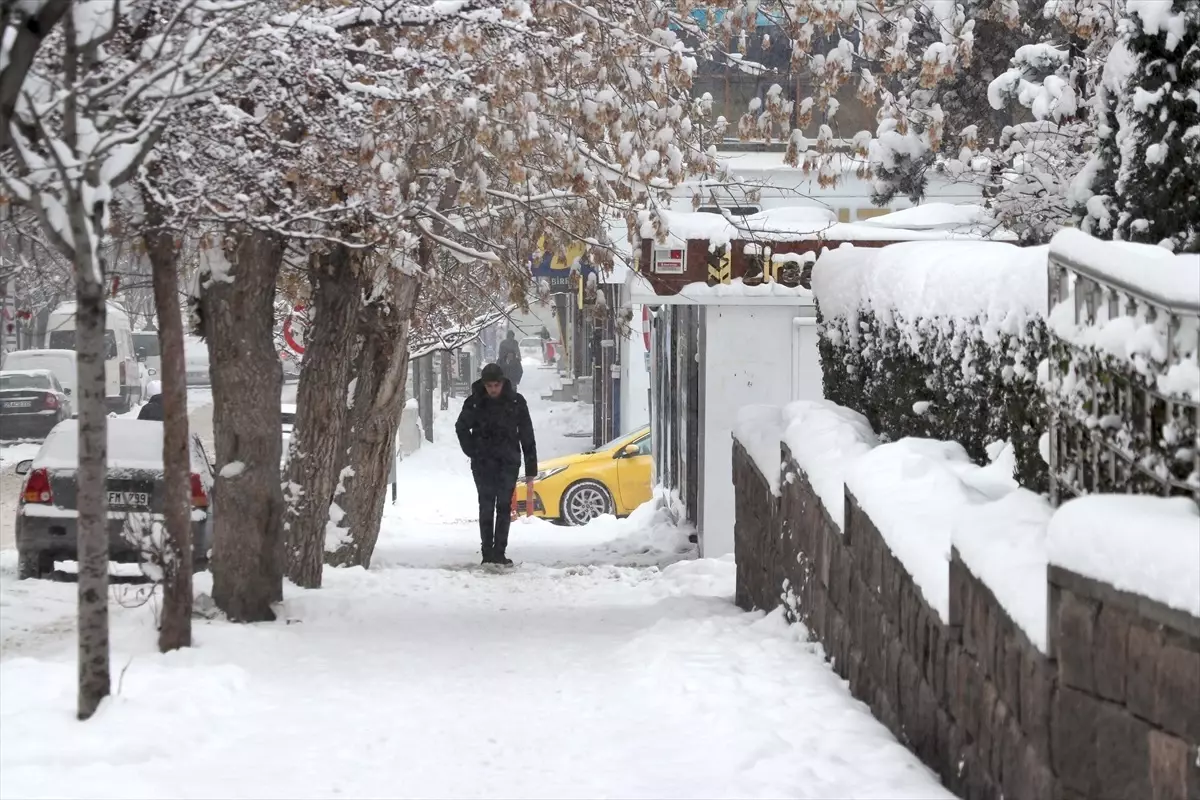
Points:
(949, 696)
(1037, 683)
(1073, 732)
(1109, 658)
(970, 694)
(1177, 691)
(910, 679)
(891, 675)
(1145, 642)
(1075, 641)
(1122, 754)
(925, 729)
(1009, 673)
(1170, 768)
(833, 648)
(987, 740)
(991, 637)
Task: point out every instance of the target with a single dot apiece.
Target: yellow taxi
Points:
(613, 479)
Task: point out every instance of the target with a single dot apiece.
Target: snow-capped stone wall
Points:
(974, 692)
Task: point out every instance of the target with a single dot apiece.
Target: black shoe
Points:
(488, 558)
(503, 561)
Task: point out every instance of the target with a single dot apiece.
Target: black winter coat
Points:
(496, 433)
(153, 409)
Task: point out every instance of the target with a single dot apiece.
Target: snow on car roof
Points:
(34, 373)
(132, 444)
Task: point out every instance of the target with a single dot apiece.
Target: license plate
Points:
(18, 404)
(128, 499)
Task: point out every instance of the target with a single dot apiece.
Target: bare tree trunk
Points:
(92, 541)
(175, 628)
(237, 306)
(319, 432)
(378, 404)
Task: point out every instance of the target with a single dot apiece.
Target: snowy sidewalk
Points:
(573, 675)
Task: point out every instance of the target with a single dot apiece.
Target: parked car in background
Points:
(32, 402)
(122, 383)
(613, 479)
(47, 517)
(195, 356)
(60, 362)
(533, 348)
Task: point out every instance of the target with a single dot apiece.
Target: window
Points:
(24, 380)
(146, 343)
(65, 340)
(643, 445)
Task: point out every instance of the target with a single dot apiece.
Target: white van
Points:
(122, 385)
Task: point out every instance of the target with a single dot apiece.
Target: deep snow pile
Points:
(924, 496)
(570, 675)
(1145, 545)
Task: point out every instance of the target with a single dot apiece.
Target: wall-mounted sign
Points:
(669, 261)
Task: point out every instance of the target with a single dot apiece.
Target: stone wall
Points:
(1127, 720)
(971, 695)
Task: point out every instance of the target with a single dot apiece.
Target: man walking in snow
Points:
(510, 359)
(494, 430)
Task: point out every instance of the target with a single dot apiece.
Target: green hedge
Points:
(977, 392)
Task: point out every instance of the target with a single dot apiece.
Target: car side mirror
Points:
(23, 467)
(67, 391)
(628, 451)
(141, 356)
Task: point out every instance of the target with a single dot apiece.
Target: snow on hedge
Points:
(993, 285)
(1149, 546)
(938, 340)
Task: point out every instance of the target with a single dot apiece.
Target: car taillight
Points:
(51, 401)
(37, 487)
(199, 497)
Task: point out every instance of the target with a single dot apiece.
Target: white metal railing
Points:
(1113, 428)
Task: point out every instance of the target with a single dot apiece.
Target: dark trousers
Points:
(495, 484)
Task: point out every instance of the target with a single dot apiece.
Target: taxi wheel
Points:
(584, 501)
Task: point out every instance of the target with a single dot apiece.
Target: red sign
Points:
(646, 326)
(288, 336)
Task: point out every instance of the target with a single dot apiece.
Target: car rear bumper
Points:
(58, 536)
(27, 426)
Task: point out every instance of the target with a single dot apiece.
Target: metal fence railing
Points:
(1113, 426)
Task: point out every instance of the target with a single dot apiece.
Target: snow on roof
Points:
(734, 293)
(132, 444)
(111, 309)
(38, 352)
(1153, 270)
(1139, 544)
(805, 223)
(1001, 284)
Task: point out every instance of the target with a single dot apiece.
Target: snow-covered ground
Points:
(601, 665)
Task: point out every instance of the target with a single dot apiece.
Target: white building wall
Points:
(635, 377)
(746, 353)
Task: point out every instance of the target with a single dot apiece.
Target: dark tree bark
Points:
(319, 433)
(238, 315)
(175, 627)
(378, 404)
(91, 500)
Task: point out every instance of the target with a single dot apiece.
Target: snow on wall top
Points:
(935, 221)
(1146, 545)
(759, 428)
(825, 439)
(999, 283)
(918, 492)
(1155, 270)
